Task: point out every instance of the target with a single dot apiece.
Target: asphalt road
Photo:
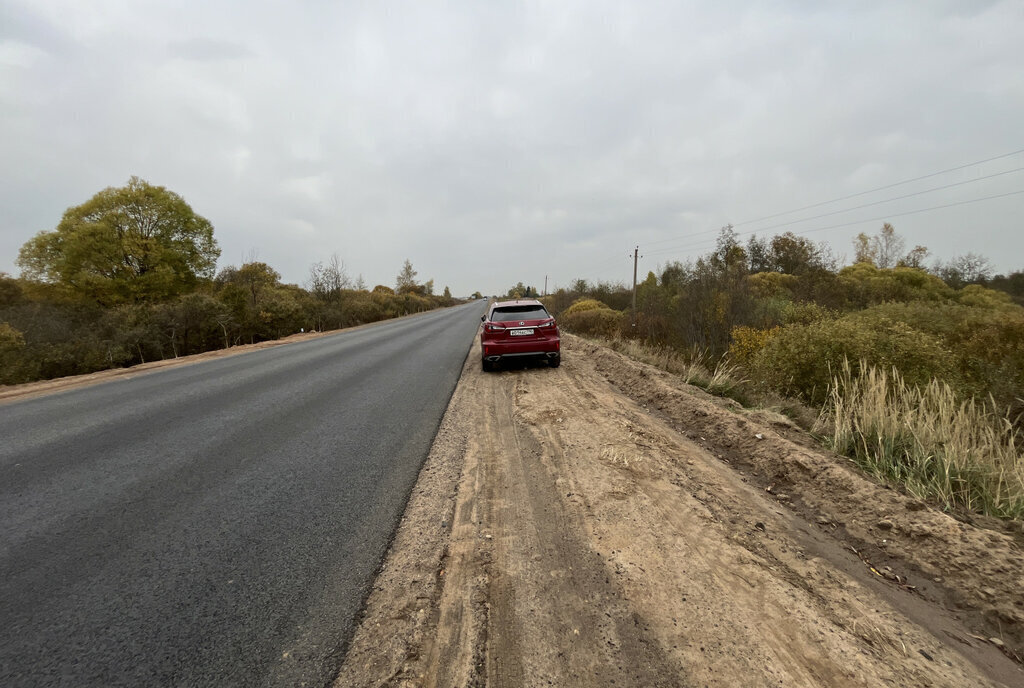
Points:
(216, 524)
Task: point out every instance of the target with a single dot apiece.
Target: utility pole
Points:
(636, 254)
(545, 285)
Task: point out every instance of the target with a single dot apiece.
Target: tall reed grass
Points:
(963, 454)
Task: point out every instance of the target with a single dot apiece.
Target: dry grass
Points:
(963, 454)
(695, 367)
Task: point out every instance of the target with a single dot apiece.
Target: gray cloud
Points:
(497, 142)
(207, 50)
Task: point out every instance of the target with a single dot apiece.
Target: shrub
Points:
(805, 313)
(748, 341)
(765, 285)
(800, 360)
(823, 287)
(581, 305)
(986, 339)
(364, 309)
(980, 297)
(12, 345)
(865, 285)
(597, 322)
(10, 338)
(991, 360)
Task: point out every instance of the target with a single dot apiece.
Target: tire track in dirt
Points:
(711, 588)
(514, 526)
(594, 544)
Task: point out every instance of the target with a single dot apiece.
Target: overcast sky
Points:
(497, 142)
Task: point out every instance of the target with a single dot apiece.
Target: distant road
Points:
(215, 524)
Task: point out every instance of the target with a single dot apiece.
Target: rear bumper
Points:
(494, 358)
(496, 351)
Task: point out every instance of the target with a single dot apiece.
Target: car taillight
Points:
(491, 327)
(549, 323)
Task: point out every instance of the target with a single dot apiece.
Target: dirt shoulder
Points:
(603, 524)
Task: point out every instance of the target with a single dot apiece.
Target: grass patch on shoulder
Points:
(721, 378)
(694, 366)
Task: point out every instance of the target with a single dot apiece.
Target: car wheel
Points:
(487, 365)
(555, 362)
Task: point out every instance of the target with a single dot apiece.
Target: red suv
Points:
(519, 329)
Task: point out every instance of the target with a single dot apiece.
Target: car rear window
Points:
(509, 313)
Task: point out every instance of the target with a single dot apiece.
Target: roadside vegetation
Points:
(915, 372)
(962, 453)
(130, 276)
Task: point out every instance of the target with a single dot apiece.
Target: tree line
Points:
(787, 313)
(130, 276)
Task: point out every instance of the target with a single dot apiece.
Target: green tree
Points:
(254, 279)
(885, 249)
(249, 292)
(914, 258)
(759, 255)
(201, 323)
(135, 243)
(793, 255)
(1012, 284)
(406, 280)
(729, 255)
(11, 292)
(862, 249)
(888, 246)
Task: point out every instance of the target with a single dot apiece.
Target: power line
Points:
(887, 200)
(705, 245)
(606, 264)
(882, 188)
(912, 212)
(862, 193)
(864, 205)
(856, 222)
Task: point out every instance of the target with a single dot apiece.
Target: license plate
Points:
(520, 333)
